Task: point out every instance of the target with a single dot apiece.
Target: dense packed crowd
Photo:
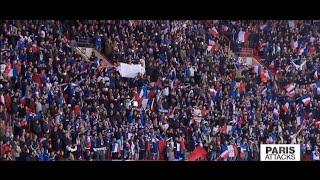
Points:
(196, 100)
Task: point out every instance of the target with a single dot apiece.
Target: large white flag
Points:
(130, 70)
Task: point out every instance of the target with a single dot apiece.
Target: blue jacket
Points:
(43, 156)
(130, 118)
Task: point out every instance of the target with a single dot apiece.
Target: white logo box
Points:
(280, 152)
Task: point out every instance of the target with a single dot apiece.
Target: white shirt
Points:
(178, 146)
(42, 34)
(142, 62)
(279, 129)
(28, 39)
(196, 112)
(166, 91)
(2, 99)
(165, 127)
(69, 148)
(215, 130)
(107, 80)
(312, 39)
(38, 107)
(231, 151)
(315, 156)
(129, 135)
(191, 69)
(2, 68)
(291, 24)
(132, 148)
(49, 85)
(241, 36)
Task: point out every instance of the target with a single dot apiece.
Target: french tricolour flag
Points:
(294, 44)
(226, 129)
(268, 75)
(291, 93)
(10, 74)
(306, 101)
(214, 31)
(232, 151)
(263, 26)
(297, 107)
(263, 91)
(212, 42)
(141, 93)
(257, 69)
(138, 96)
(225, 154)
(213, 48)
(285, 107)
(242, 154)
(290, 87)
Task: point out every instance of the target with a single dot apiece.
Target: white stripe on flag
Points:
(144, 103)
(306, 101)
(231, 151)
(290, 87)
(141, 93)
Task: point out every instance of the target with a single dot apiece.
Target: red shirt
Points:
(151, 95)
(32, 106)
(8, 68)
(18, 67)
(22, 101)
(28, 110)
(7, 100)
(242, 87)
(6, 148)
(35, 49)
(203, 112)
(77, 110)
(88, 144)
(36, 78)
(246, 36)
(148, 147)
(159, 83)
(65, 96)
(182, 145)
(137, 97)
(312, 51)
(162, 145)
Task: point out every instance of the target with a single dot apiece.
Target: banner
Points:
(130, 70)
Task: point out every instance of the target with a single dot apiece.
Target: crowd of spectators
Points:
(56, 104)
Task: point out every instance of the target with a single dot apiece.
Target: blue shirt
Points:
(98, 40)
(145, 91)
(43, 156)
(20, 45)
(143, 119)
(130, 118)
